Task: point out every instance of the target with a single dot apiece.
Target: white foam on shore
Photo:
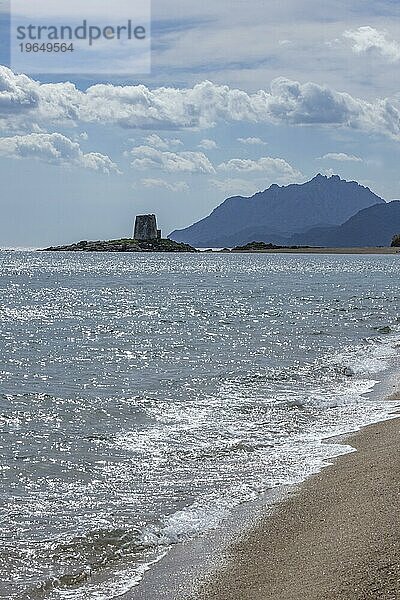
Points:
(299, 458)
(203, 556)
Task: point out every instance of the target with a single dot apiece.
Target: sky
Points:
(241, 94)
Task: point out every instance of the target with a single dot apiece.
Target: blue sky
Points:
(241, 95)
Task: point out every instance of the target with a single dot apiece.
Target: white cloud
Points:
(367, 40)
(78, 137)
(178, 186)
(24, 101)
(235, 187)
(37, 129)
(309, 103)
(340, 156)
(162, 143)
(252, 141)
(208, 144)
(18, 93)
(275, 169)
(56, 149)
(146, 157)
(167, 108)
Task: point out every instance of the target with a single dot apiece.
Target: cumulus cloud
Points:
(276, 169)
(146, 157)
(162, 143)
(178, 186)
(252, 141)
(24, 101)
(208, 144)
(56, 149)
(309, 103)
(18, 93)
(340, 156)
(369, 40)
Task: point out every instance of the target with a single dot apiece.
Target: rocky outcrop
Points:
(263, 247)
(123, 245)
(396, 241)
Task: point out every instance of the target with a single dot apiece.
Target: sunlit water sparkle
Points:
(144, 396)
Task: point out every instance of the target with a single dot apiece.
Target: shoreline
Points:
(336, 537)
(102, 248)
(199, 568)
(365, 251)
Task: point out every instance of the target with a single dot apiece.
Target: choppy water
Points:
(143, 396)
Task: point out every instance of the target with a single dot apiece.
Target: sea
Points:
(144, 397)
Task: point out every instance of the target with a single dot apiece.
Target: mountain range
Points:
(373, 226)
(326, 211)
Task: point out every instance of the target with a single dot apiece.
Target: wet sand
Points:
(336, 538)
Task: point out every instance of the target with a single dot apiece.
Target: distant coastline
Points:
(263, 248)
(166, 245)
(311, 250)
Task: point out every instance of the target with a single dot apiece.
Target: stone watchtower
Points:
(146, 228)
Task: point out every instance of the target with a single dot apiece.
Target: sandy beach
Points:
(336, 538)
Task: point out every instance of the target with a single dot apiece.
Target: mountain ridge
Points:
(372, 226)
(277, 213)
